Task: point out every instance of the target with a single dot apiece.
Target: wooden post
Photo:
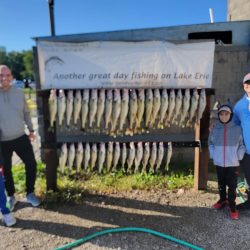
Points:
(196, 158)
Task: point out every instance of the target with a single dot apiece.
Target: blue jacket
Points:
(242, 117)
(225, 143)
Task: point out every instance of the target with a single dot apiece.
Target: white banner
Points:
(125, 64)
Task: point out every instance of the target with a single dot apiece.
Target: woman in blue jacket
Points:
(226, 148)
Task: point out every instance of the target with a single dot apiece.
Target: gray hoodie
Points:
(14, 114)
(226, 146)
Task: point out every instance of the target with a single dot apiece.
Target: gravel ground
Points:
(183, 214)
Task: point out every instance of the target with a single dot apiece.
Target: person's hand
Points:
(32, 136)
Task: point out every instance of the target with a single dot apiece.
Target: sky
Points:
(21, 20)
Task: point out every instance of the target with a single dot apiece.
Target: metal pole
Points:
(51, 14)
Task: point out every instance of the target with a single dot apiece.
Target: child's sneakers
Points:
(33, 200)
(233, 213)
(220, 204)
(9, 220)
(11, 202)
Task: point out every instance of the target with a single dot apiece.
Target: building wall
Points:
(238, 10)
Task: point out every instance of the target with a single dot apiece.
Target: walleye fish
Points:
(79, 157)
(140, 108)
(61, 106)
(138, 157)
(201, 105)
(171, 107)
(101, 157)
(124, 155)
(109, 158)
(77, 105)
(160, 156)
(156, 107)
(92, 107)
(85, 107)
(69, 107)
(149, 106)
(86, 156)
(116, 110)
(71, 156)
(93, 156)
(153, 156)
(164, 108)
(108, 108)
(124, 109)
(52, 107)
(178, 105)
(132, 110)
(131, 157)
(63, 157)
(100, 107)
(193, 107)
(117, 154)
(146, 155)
(185, 107)
(169, 155)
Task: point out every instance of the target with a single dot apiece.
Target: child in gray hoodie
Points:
(226, 148)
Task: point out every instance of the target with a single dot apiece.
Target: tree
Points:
(28, 72)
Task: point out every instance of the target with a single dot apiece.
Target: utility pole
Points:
(51, 15)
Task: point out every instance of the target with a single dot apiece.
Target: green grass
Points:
(72, 187)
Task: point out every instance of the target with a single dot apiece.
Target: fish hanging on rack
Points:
(185, 108)
(160, 155)
(86, 156)
(132, 111)
(171, 107)
(92, 107)
(201, 105)
(164, 108)
(116, 110)
(69, 107)
(193, 108)
(85, 108)
(77, 104)
(63, 157)
(100, 107)
(93, 157)
(156, 107)
(131, 157)
(71, 156)
(117, 153)
(108, 108)
(52, 107)
(61, 106)
(79, 157)
(146, 155)
(140, 109)
(101, 157)
(109, 156)
(138, 156)
(124, 156)
(153, 156)
(124, 109)
(149, 106)
(169, 155)
(177, 109)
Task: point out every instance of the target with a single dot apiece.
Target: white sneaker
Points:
(33, 200)
(11, 202)
(9, 220)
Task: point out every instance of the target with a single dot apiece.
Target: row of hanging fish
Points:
(112, 156)
(126, 111)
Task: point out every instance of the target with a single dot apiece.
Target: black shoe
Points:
(244, 205)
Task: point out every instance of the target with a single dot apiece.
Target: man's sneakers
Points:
(9, 220)
(11, 202)
(220, 204)
(33, 200)
(244, 205)
(233, 214)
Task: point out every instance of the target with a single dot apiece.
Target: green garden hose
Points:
(128, 229)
